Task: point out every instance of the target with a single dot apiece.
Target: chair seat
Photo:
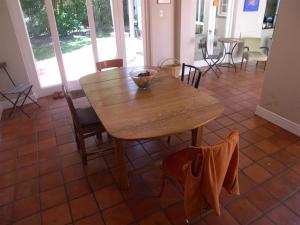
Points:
(17, 89)
(215, 56)
(256, 56)
(79, 93)
(87, 117)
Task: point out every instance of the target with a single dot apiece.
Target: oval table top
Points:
(169, 106)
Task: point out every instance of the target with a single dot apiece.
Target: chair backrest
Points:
(203, 47)
(71, 107)
(193, 77)
(107, 64)
(3, 66)
(253, 43)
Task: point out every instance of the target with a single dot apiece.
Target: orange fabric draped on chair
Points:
(202, 172)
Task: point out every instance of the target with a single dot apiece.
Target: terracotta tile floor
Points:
(42, 180)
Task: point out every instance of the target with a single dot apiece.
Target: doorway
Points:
(133, 21)
(212, 22)
(66, 38)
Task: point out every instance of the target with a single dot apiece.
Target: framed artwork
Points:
(251, 5)
(222, 8)
(163, 1)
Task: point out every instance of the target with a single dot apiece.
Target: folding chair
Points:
(211, 60)
(19, 90)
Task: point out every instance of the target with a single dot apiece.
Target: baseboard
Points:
(6, 104)
(278, 120)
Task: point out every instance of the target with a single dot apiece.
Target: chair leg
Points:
(77, 139)
(23, 102)
(169, 139)
(242, 63)
(109, 138)
(35, 102)
(163, 184)
(15, 106)
(83, 150)
(99, 136)
(265, 65)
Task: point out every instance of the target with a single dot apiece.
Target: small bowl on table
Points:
(143, 77)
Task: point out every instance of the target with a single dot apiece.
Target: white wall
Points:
(220, 26)
(9, 50)
(248, 24)
(185, 30)
(161, 31)
(281, 90)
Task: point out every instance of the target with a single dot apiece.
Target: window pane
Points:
(37, 24)
(133, 32)
(106, 38)
(197, 11)
(73, 29)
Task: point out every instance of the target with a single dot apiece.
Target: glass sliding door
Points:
(74, 35)
(105, 29)
(35, 17)
(133, 23)
(68, 36)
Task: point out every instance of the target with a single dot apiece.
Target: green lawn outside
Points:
(46, 51)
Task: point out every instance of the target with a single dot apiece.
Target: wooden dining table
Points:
(128, 113)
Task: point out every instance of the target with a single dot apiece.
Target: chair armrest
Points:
(266, 48)
(246, 48)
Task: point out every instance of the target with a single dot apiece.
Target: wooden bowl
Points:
(140, 79)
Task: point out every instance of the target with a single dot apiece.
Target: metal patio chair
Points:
(211, 59)
(22, 92)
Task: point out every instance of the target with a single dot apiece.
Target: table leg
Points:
(121, 164)
(197, 135)
(231, 55)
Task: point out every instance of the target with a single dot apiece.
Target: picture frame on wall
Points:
(222, 8)
(251, 5)
(163, 1)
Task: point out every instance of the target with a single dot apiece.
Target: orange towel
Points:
(212, 168)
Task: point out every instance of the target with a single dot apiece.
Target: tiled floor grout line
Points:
(249, 85)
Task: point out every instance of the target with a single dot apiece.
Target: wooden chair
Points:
(212, 60)
(201, 169)
(108, 64)
(86, 124)
(193, 77)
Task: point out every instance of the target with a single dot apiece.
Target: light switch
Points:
(161, 13)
